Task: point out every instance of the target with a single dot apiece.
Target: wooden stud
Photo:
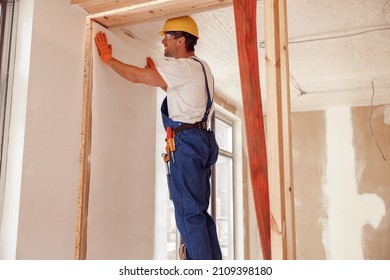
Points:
(245, 19)
(279, 130)
(97, 6)
(85, 151)
(288, 187)
(123, 10)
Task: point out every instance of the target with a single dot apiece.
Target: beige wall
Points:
(342, 188)
(374, 174)
(309, 153)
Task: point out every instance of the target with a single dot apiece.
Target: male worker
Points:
(187, 108)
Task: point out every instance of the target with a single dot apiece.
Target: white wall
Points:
(45, 144)
(13, 154)
(42, 158)
(52, 133)
(122, 192)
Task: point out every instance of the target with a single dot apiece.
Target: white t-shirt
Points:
(186, 92)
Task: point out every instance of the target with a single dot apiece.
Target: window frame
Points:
(231, 216)
(7, 53)
(237, 180)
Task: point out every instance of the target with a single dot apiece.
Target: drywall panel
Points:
(121, 218)
(372, 164)
(309, 157)
(122, 190)
(54, 72)
(341, 180)
(348, 209)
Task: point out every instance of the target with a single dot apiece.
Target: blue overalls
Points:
(196, 151)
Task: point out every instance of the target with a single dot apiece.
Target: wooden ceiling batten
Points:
(98, 6)
(115, 14)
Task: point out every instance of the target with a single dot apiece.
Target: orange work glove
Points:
(150, 63)
(104, 49)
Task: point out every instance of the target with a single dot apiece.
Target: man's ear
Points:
(181, 41)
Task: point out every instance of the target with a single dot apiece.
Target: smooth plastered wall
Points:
(121, 214)
(48, 187)
(122, 195)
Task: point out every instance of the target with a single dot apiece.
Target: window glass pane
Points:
(224, 205)
(172, 235)
(224, 136)
(221, 201)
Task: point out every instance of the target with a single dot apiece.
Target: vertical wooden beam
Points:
(245, 19)
(279, 130)
(287, 136)
(85, 151)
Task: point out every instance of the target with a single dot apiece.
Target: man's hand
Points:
(104, 49)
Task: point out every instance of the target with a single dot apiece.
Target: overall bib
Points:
(196, 151)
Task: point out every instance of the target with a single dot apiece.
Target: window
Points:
(6, 19)
(6, 14)
(223, 186)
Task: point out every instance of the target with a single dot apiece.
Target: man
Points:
(186, 110)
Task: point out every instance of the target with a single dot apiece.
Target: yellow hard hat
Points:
(185, 23)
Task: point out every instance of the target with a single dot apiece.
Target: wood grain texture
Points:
(245, 19)
(279, 143)
(119, 13)
(85, 152)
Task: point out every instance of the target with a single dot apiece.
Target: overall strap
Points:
(209, 99)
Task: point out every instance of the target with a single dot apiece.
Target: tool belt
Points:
(200, 125)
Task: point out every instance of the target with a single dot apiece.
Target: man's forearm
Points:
(148, 76)
(129, 72)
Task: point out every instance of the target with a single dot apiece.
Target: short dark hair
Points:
(191, 40)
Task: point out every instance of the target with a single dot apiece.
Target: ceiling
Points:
(339, 51)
